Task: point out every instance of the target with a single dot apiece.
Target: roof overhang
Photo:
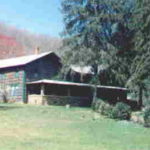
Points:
(59, 83)
(21, 61)
(45, 81)
(82, 69)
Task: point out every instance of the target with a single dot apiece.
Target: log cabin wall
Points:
(112, 95)
(13, 79)
(12, 86)
(44, 68)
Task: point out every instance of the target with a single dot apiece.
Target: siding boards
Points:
(13, 79)
(11, 84)
(43, 68)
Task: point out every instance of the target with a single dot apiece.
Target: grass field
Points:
(24, 127)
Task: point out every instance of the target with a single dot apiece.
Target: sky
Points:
(36, 16)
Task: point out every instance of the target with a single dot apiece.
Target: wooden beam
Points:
(42, 90)
(68, 91)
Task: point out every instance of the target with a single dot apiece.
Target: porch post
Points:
(42, 90)
(42, 94)
(68, 92)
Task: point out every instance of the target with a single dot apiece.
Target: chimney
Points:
(37, 51)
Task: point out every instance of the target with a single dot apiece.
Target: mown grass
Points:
(25, 127)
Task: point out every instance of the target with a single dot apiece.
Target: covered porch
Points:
(52, 92)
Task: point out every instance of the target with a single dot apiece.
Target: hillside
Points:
(9, 47)
(15, 42)
(26, 127)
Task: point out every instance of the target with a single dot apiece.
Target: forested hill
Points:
(15, 42)
(9, 47)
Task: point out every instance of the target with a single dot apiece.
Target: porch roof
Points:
(45, 81)
(23, 60)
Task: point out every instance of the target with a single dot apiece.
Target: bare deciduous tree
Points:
(25, 42)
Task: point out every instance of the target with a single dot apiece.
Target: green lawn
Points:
(25, 127)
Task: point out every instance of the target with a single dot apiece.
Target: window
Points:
(16, 74)
(2, 76)
(15, 89)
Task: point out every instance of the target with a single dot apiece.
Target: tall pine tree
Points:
(140, 68)
(95, 27)
(96, 31)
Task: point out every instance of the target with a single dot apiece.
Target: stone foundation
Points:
(59, 100)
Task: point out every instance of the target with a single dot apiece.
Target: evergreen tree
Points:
(96, 31)
(93, 27)
(140, 67)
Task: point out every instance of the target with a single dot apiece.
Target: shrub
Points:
(147, 117)
(96, 105)
(121, 111)
(102, 107)
(4, 95)
(147, 104)
(105, 109)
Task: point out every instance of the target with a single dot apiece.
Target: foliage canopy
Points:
(114, 34)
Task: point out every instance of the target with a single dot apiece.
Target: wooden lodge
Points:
(28, 79)
(54, 92)
(16, 72)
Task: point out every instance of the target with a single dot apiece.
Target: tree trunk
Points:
(140, 103)
(94, 96)
(95, 85)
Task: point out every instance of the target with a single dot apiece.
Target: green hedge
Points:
(147, 117)
(120, 111)
(64, 100)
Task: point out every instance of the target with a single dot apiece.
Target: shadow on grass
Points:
(8, 107)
